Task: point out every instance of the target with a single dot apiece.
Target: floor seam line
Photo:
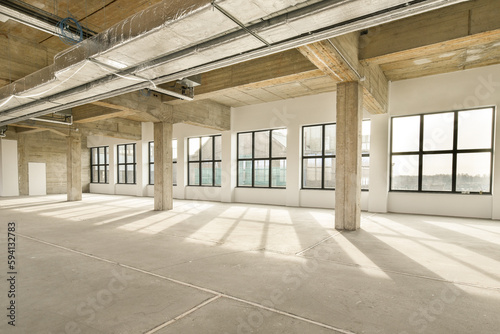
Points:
(185, 314)
(213, 292)
(317, 244)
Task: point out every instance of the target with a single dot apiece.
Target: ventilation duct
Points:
(175, 39)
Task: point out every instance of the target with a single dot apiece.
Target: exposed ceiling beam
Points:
(274, 67)
(338, 58)
(456, 38)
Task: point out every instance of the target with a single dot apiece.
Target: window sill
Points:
(439, 192)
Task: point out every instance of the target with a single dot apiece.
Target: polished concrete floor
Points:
(109, 264)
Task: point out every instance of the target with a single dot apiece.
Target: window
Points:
(262, 159)
(319, 156)
(204, 161)
(126, 163)
(152, 162)
(443, 152)
(99, 164)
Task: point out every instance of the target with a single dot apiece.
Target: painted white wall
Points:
(37, 179)
(453, 91)
(9, 178)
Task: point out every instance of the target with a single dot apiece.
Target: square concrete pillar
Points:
(163, 166)
(74, 167)
(348, 156)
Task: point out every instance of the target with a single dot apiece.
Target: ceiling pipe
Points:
(54, 121)
(383, 16)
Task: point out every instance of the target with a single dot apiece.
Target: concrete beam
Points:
(205, 113)
(431, 29)
(74, 167)
(163, 188)
(91, 113)
(277, 67)
(338, 58)
(348, 156)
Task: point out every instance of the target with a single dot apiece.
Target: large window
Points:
(262, 159)
(126, 163)
(152, 162)
(204, 161)
(443, 152)
(99, 164)
(319, 154)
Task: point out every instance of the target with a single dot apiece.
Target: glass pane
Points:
(365, 136)
(174, 150)
(207, 174)
(245, 173)
(102, 174)
(94, 153)
(151, 152)
(438, 131)
(405, 134)
(130, 174)
(244, 145)
(151, 174)
(218, 173)
(261, 144)
(329, 173)
(474, 129)
(405, 172)
(107, 174)
(261, 173)
(194, 149)
(121, 154)
(95, 174)
(218, 148)
(279, 143)
(278, 173)
(311, 170)
(312, 140)
(436, 172)
(174, 174)
(474, 172)
(330, 139)
(102, 155)
(121, 174)
(365, 173)
(206, 148)
(130, 153)
(194, 174)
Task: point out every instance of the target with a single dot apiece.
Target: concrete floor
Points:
(109, 264)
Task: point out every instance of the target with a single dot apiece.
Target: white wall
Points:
(454, 91)
(9, 179)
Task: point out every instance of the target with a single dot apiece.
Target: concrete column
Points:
(163, 166)
(348, 162)
(74, 167)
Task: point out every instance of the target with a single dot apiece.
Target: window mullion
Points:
(421, 153)
(455, 154)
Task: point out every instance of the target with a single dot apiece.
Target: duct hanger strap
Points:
(235, 20)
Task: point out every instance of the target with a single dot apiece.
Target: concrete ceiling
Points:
(454, 38)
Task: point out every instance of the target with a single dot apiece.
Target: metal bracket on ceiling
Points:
(235, 20)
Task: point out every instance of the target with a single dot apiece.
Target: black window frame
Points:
(126, 163)
(324, 156)
(151, 163)
(200, 161)
(253, 159)
(99, 164)
(454, 152)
